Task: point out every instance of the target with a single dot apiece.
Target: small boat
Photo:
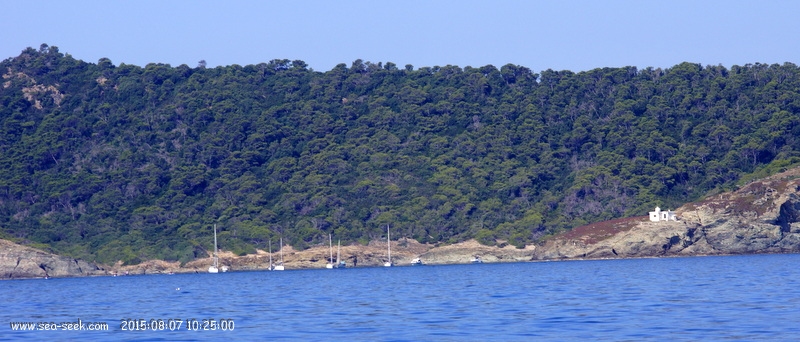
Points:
(340, 263)
(476, 260)
(214, 268)
(329, 265)
(389, 248)
(279, 266)
(417, 262)
(271, 265)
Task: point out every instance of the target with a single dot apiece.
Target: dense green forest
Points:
(121, 162)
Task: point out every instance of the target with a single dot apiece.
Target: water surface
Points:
(732, 297)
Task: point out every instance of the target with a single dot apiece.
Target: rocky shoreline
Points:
(372, 255)
(761, 217)
(18, 261)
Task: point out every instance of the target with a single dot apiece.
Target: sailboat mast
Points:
(389, 243)
(330, 245)
(215, 246)
(270, 254)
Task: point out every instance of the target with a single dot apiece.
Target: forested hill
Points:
(120, 162)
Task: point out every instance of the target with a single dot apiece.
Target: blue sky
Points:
(572, 35)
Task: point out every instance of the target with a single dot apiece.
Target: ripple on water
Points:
(737, 297)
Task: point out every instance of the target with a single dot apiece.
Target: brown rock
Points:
(761, 217)
(17, 261)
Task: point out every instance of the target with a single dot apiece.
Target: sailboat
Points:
(279, 267)
(389, 248)
(213, 268)
(340, 263)
(271, 266)
(330, 260)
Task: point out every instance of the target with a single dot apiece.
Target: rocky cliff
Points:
(17, 261)
(761, 217)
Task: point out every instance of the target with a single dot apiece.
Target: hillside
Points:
(761, 217)
(112, 162)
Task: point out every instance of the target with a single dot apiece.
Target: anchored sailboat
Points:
(279, 267)
(340, 263)
(271, 265)
(389, 248)
(213, 268)
(329, 265)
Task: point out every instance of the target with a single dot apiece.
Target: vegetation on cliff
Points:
(120, 162)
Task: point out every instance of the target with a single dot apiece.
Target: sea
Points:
(754, 297)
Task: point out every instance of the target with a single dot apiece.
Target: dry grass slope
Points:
(599, 231)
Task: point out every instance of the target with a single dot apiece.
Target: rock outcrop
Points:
(761, 217)
(372, 255)
(17, 261)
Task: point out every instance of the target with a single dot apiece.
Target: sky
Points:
(575, 35)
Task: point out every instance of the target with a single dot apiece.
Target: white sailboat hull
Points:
(388, 248)
(280, 267)
(339, 263)
(330, 245)
(213, 268)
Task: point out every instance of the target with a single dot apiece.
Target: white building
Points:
(659, 215)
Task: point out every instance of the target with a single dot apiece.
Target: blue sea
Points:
(699, 298)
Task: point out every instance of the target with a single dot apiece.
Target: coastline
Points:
(372, 255)
(755, 219)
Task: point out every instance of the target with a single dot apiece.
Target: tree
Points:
(130, 163)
